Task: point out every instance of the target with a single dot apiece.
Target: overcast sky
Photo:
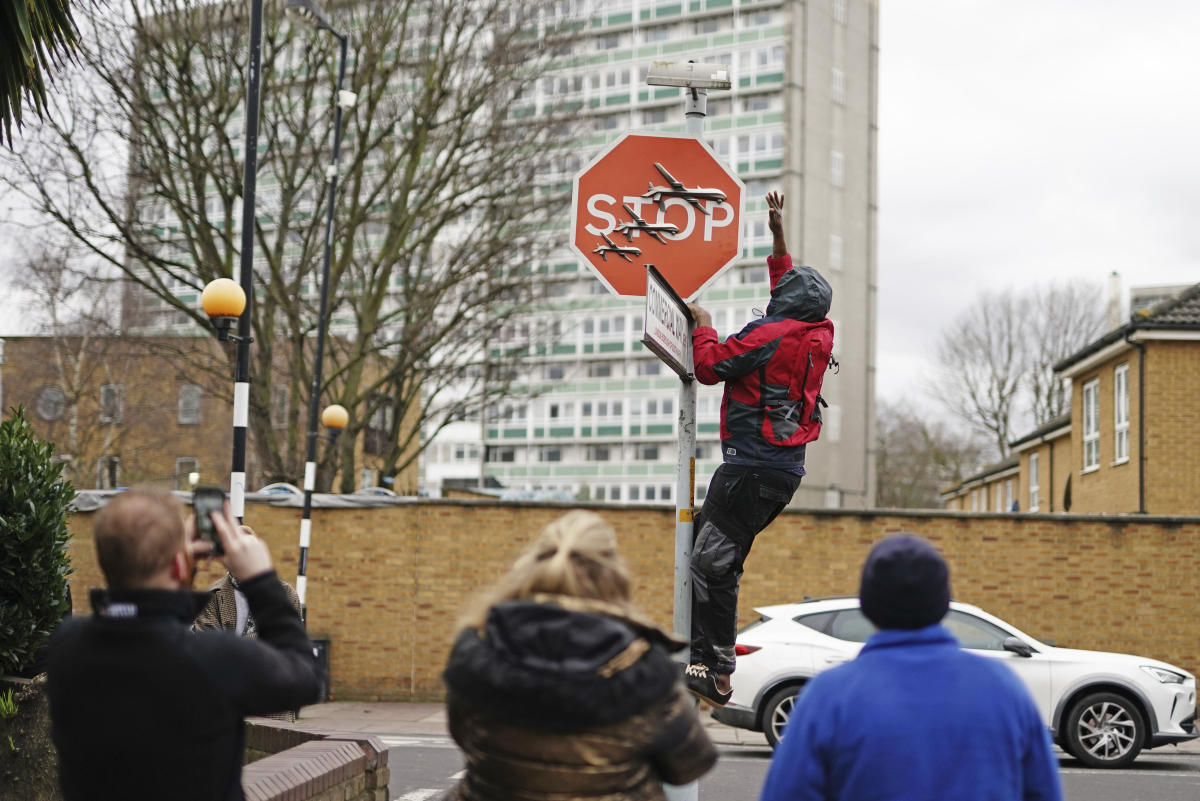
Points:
(1025, 140)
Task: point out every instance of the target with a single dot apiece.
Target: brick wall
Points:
(1172, 426)
(386, 584)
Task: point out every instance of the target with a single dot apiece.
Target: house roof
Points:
(1011, 463)
(1045, 428)
(1179, 312)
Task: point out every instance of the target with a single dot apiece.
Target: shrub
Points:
(34, 564)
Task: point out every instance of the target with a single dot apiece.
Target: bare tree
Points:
(918, 455)
(1064, 318)
(995, 361)
(437, 220)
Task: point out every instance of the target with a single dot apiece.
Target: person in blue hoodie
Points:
(914, 717)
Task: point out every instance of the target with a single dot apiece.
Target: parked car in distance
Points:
(1102, 708)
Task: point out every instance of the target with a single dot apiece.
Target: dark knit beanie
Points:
(905, 584)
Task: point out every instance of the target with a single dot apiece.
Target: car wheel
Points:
(778, 711)
(1105, 730)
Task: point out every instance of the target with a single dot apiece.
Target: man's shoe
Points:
(702, 683)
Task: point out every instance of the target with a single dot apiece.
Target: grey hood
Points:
(801, 294)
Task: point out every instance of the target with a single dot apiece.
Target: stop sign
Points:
(661, 200)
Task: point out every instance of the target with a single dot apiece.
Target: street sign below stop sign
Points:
(661, 200)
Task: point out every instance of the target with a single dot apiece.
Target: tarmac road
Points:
(422, 770)
(424, 761)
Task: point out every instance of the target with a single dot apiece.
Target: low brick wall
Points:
(387, 584)
(288, 764)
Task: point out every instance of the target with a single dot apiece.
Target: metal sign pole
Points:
(685, 467)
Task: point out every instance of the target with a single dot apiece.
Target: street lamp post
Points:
(309, 11)
(241, 385)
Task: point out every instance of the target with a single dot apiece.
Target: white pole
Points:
(695, 108)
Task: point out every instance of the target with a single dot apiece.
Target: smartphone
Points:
(207, 501)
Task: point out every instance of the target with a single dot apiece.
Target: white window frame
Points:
(1091, 425)
(1008, 494)
(836, 252)
(1121, 413)
(837, 168)
(837, 87)
(1034, 482)
(191, 399)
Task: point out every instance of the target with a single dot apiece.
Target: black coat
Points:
(561, 698)
(143, 708)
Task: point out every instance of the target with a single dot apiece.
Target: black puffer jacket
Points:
(561, 698)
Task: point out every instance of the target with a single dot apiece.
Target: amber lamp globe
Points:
(223, 298)
(335, 416)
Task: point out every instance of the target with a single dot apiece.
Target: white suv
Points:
(1102, 708)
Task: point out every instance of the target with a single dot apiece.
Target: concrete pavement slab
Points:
(430, 719)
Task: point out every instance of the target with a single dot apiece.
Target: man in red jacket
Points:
(772, 370)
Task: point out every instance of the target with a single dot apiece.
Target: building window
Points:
(837, 168)
(184, 467)
(279, 407)
(108, 472)
(112, 404)
(189, 404)
(554, 371)
(599, 453)
(368, 478)
(378, 433)
(1121, 412)
(51, 403)
(839, 11)
(502, 454)
(635, 493)
(549, 454)
(838, 88)
(835, 252)
(646, 453)
(1034, 500)
(601, 370)
(1008, 496)
(1091, 424)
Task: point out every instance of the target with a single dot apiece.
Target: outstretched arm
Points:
(775, 223)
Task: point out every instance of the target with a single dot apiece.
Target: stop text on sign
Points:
(607, 214)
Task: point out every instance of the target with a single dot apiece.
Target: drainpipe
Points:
(1141, 349)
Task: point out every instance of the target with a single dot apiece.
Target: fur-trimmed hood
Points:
(556, 663)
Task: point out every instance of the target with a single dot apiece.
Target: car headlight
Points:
(1164, 675)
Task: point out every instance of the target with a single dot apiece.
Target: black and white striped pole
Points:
(334, 418)
(221, 314)
(224, 300)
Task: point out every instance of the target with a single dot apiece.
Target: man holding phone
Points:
(141, 707)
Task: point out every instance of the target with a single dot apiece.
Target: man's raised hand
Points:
(246, 556)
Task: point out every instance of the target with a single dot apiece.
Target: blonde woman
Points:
(555, 688)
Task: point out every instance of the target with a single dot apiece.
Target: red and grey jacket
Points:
(772, 369)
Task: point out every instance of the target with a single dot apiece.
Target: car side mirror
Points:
(1018, 647)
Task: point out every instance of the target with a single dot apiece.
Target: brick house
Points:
(124, 411)
(1132, 439)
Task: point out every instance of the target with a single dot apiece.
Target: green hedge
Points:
(34, 564)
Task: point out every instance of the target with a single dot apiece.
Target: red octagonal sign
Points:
(661, 200)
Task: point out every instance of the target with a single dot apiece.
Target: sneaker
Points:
(702, 683)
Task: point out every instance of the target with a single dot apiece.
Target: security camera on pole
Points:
(660, 216)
